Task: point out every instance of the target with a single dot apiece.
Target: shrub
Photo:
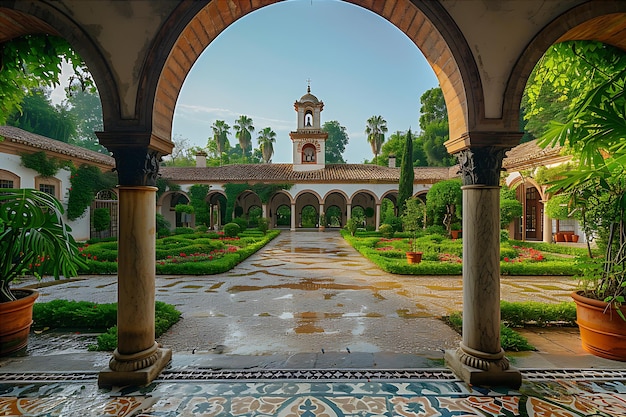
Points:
(241, 222)
(263, 224)
(231, 229)
(203, 228)
(386, 230)
(162, 225)
(352, 225)
(183, 231)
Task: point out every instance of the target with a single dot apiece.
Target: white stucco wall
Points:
(12, 163)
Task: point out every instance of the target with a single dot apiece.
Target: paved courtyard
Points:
(306, 292)
(307, 327)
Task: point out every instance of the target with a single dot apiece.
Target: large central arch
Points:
(425, 23)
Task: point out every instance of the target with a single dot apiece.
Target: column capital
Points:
(481, 165)
(136, 159)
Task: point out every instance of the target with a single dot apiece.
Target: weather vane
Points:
(308, 85)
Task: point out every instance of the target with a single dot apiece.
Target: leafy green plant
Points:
(386, 230)
(595, 130)
(352, 225)
(101, 219)
(40, 162)
(231, 229)
(184, 208)
(34, 238)
(412, 219)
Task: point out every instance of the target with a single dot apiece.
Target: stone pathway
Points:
(307, 292)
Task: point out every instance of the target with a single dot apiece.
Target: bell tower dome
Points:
(309, 140)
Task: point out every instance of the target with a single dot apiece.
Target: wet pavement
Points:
(306, 292)
(308, 327)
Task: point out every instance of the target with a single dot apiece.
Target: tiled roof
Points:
(529, 153)
(17, 135)
(284, 172)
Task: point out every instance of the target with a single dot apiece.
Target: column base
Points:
(108, 378)
(495, 376)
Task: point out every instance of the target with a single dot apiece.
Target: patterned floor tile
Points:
(313, 399)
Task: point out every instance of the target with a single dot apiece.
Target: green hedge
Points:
(101, 258)
(432, 246)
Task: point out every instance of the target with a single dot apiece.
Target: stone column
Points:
(480, 360)
(264, 210)
(293, 217)
(138, 359)
(547, 224)
(348, 212)
(377, 217)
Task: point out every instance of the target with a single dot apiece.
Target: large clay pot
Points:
(15, 320)
(602, 331)
(414, 257)
(455, 234)
(575, 238)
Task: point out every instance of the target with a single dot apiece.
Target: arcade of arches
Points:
(482, 53)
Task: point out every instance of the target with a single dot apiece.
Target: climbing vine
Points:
(264, 191)
(40, 162)
(86, 181)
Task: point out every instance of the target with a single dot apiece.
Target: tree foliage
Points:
(407, 174)
(244, 128)
(30, 62)
(444, 202)
(38, 115)
(336, 142)
(86, 109)
(562, 78)
(375, 130)
(435, 129)
(267, 138)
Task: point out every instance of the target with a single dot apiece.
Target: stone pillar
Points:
(480, 360)
(293, 217)
(377, 217)
(264, 210)
(348, 212)
(547, 224)
(138, 359)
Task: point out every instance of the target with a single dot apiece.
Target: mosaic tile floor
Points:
(327, 398)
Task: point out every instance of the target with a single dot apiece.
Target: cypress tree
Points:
(407, 175)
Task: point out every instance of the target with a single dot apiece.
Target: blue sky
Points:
(359, 65)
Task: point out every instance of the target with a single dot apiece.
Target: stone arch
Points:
(363, 191)
(217, 202)
(427, 24)
(303, 199)
(337, 198)
(166, 204)
(277, 200)
(246, 200)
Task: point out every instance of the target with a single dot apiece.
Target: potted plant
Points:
(34, 239)
(595, 130)
(455, 230)
(411, 222)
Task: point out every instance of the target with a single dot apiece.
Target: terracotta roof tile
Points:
(529, 154)
(17, 135)
(284, 172)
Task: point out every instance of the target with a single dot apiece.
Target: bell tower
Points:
(309, 140)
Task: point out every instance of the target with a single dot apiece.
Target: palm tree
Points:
(244, 129)
(220, 135)
(375, 131)
(266, 139)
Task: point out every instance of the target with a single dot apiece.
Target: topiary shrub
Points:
(231, 229)
(386, 230)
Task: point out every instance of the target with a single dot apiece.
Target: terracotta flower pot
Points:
(15, 320)
(455, 234)
(602, 331)
(559, 237)
(575, 238)
(414, 257)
